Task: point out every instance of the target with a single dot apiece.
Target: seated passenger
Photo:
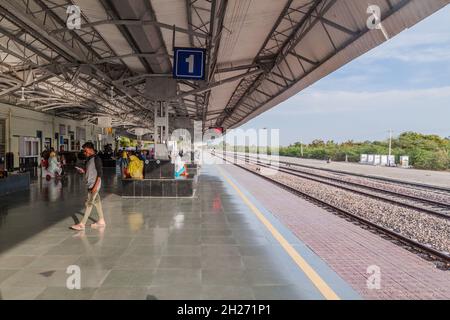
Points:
(180, 167)
(136, 168)
(124, 162)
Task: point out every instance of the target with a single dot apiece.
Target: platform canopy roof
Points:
(260, 52)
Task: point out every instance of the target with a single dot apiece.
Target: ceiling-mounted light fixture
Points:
(22, 98)
(112, 93)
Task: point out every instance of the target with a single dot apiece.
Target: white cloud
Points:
(319, 102)
(415, 47)
(374, 93)
(427, 41)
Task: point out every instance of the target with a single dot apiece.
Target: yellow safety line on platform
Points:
(320, 284)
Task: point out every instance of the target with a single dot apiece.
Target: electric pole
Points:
(390, 147)
(301, 148)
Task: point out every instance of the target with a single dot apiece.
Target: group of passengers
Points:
(132, 162)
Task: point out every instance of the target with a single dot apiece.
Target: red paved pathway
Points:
(347, 248)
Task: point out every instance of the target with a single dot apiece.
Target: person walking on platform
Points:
(93, 173)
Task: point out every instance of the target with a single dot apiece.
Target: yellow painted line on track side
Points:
(315, 278)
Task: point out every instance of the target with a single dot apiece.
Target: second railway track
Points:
(413, 202)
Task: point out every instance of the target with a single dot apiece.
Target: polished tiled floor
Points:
(208, 247)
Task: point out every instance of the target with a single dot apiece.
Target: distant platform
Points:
(428, 177)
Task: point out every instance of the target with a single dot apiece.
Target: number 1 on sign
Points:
(190, 61)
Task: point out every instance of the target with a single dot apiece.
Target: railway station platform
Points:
(221, 244)
(349, 249)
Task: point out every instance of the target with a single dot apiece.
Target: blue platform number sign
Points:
(189, 63)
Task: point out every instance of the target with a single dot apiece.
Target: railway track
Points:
(412, 202)
(418, 186)
(442, 259)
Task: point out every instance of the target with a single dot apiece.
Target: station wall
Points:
(21, 122)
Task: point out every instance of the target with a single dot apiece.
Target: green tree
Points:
(425, 151)
(124, 142)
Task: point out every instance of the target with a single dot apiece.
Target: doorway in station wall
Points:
(48, 143)
(39, 136)
(2, 143)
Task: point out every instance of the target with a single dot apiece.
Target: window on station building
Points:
(62, 129)
(80, 137)
(28, 147)
(81, 134)
(72, 141)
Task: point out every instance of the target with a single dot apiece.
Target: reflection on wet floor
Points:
(3, 213)
(51, 190)
(207, 247)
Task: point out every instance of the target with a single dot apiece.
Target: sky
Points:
(403, 85)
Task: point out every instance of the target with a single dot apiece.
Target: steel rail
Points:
(301, 174)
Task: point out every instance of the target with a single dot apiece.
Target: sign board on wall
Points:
(62, 129)
(391, 160)
(104, 122)
(139, 132)
(81, 134)
(189, 63)
(404, 161)
(377, 159)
